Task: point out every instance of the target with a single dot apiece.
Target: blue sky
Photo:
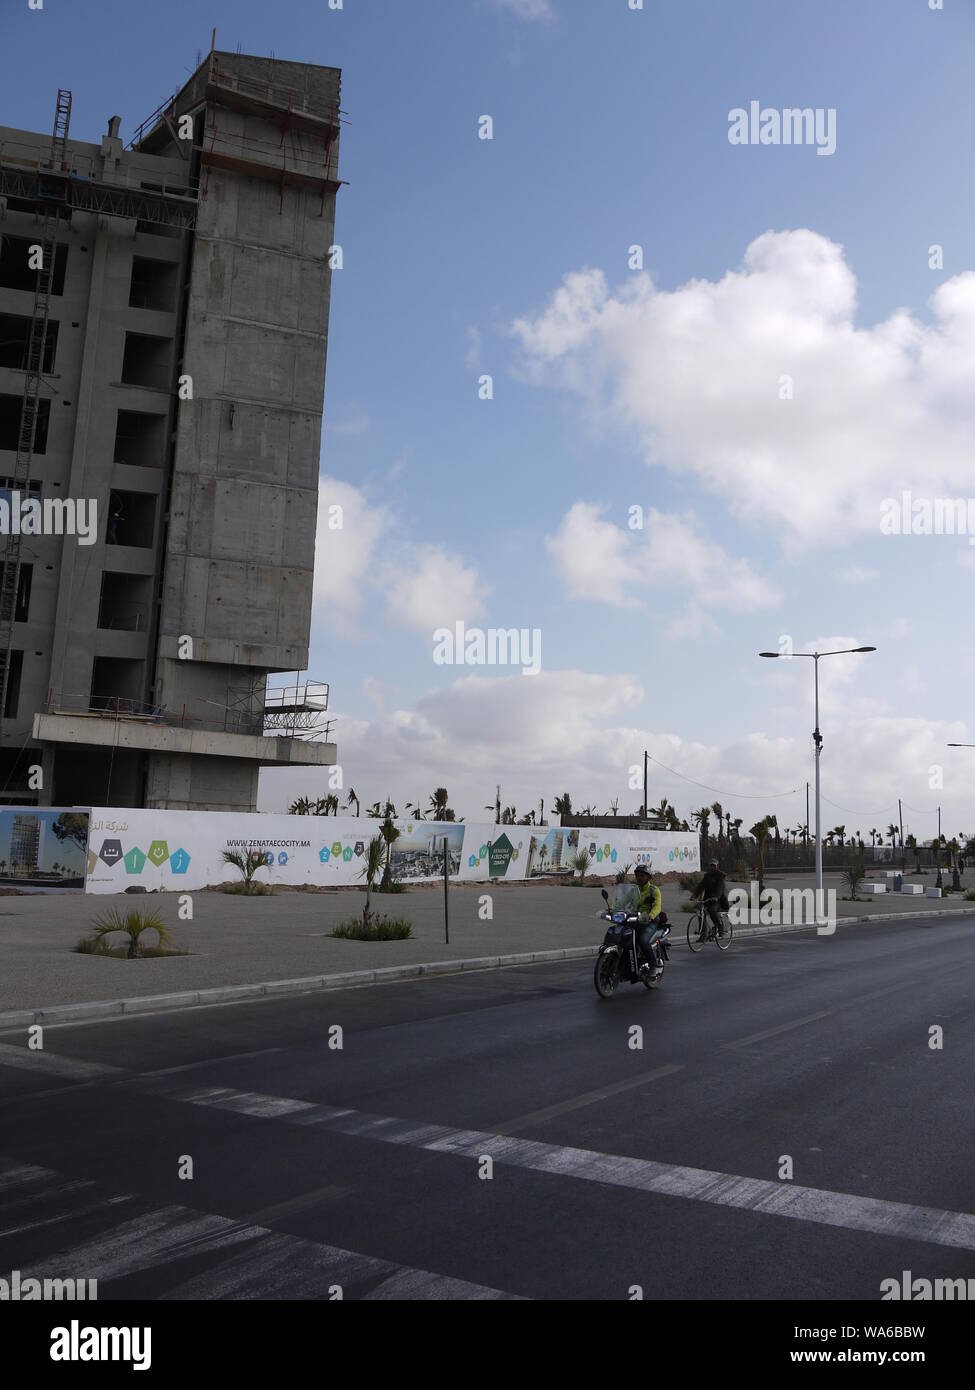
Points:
(611, 129)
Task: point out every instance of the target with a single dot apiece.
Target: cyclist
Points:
(648, 910)
(713, 887)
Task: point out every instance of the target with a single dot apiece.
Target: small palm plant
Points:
(854, 875)
(388, 834)
(580, 862)
(248, 864)
(375, 852)
(760, 830)
(133, 923)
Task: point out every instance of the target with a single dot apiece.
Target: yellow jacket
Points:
(650, 901)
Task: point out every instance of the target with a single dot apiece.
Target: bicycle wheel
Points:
(696, 932)
(723, 939)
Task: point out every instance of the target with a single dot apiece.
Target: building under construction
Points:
(163, 329)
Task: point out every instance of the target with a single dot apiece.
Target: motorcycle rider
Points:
(648, 910)
(713, 886)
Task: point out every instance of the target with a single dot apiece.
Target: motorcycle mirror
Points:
(605, 895)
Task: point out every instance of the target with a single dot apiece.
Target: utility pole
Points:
(646, 804)
(900, 817)
(806, 834)
(497, 804)
(446, 870)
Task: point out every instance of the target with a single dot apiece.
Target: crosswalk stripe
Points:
(781, 1199)
(253, 1260)
(29, 1059)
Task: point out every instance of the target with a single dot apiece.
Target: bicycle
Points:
(701, 929)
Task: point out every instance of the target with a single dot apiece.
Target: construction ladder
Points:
(30, 405)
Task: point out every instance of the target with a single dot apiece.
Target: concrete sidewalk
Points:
(284, 939)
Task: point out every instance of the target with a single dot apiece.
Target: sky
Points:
(711, 364)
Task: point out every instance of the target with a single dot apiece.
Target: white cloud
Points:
(473, 354)
(570, 731)
(430, 587)
(425, 586)
(599, 560)
(858, 574)
(531, 10)
(357, 423)
(695, 373)
(344, 556)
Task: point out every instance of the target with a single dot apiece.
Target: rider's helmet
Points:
(641, 869)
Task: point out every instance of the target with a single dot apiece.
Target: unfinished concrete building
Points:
(166, 361)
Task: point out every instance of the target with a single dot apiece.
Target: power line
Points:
(741, 796)
(851, 812)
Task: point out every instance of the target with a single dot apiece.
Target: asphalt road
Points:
(363, 1166)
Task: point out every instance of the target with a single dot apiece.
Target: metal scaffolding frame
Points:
(30, 403)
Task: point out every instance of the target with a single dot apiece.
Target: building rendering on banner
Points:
(163, 328)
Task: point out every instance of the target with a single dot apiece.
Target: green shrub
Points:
(253, 889)
(853, 876)
(970, 895)
(379, 929)
(131, 923)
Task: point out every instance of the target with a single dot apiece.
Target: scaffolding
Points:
(298, 711)
(51, 211)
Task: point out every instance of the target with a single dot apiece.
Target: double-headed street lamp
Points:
(817, 738)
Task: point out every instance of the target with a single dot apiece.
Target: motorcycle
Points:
(619, 956)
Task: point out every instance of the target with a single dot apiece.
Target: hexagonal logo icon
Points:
(158, 852)
(359, 850)
(347, 853)
(337, 848)
(179, 861)
(472, 861)
(325, 854)
(606, 850)
(482, 851)
(282, 857)
(135, 861)
(613, 857)
(599, 856)
(111, 851)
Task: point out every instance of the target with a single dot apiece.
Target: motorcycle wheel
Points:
(606, 975)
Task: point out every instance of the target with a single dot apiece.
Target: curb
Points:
(391, 974)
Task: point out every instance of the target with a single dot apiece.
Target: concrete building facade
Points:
(181, 390)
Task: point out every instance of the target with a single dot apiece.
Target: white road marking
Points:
(781, 1028)
(30, 1060)
(783, 1199)
(565, 1107)
(253, 1261)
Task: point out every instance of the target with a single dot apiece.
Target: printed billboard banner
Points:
(183, 850)
(42, 848)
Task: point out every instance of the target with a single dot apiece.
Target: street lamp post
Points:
(817, 739)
